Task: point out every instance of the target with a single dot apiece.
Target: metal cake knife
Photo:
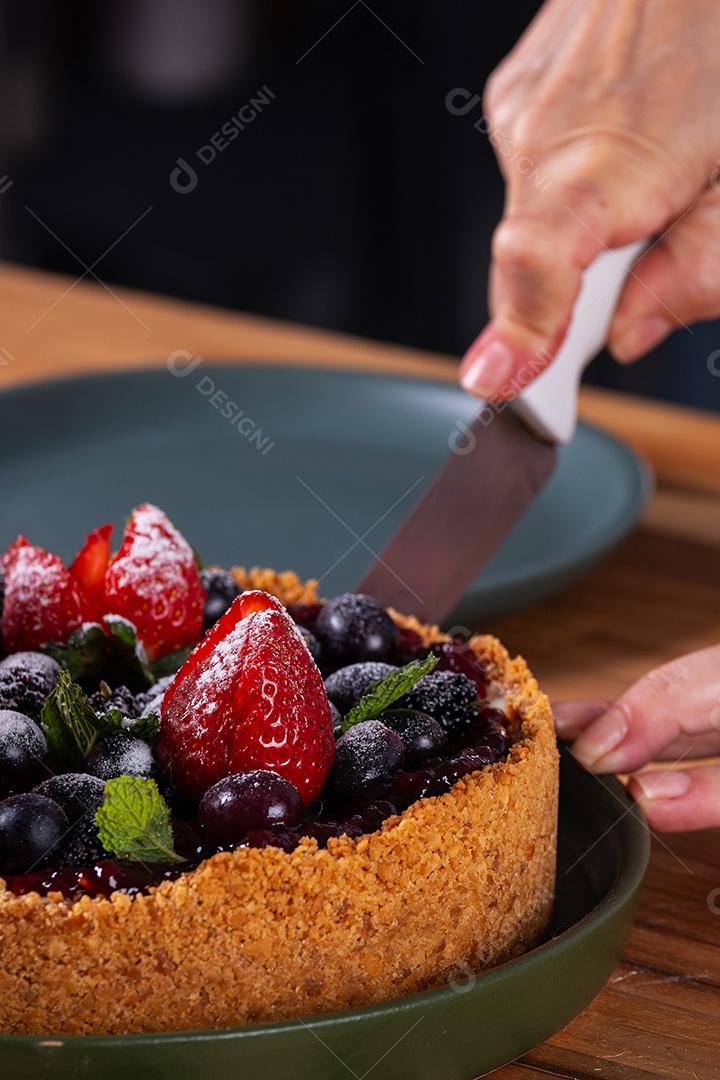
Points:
(479, 494)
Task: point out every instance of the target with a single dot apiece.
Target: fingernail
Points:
(595, 746)
(576, 715)
(669, 785)
(639, 337)
(486, 367)
(562, 723)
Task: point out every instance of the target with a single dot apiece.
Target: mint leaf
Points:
(72, 727)
(134, 821)
(382, 694)
(171, 662)
(111, 652)
(144, 727)
(69, 724)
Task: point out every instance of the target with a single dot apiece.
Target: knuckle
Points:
(525, 247)
(706, 282)
(494, 93)
(663, 683)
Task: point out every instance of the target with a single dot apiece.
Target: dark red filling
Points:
(481, 745)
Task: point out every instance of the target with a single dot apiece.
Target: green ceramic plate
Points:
(292, 468)
(456, 1032)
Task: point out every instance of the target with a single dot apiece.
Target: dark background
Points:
(355, 200)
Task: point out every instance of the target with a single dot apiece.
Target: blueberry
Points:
(221, 589)
(79, 794)
(121, 755)
(337, 720)
(31, 831)
(353, 628)
(22, 753)
(423, 737)
(347, 685)
(248, 801)
(26, 679)
(312, 643)
(447, 696)
(368, 818)
(120, 698)
(367, 758)
(287, 839)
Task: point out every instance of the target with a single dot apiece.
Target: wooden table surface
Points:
(655, 597)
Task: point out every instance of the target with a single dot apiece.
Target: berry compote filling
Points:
(314, 721)
(485, 743)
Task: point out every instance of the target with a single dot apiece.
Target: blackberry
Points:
(347, 685)
(120, 698)
(221, 589)
(150, 701)
(81, 846)
(353, 628)
(26, 679)
(447, 696)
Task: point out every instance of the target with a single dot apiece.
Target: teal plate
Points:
(458, 1032)
(299, 468)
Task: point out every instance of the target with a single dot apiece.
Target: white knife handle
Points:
(549, 404)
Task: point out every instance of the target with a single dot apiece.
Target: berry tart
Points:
(224, 801)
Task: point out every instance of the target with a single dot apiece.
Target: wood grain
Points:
(656, 596)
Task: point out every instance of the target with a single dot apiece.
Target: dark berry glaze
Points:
(481, 745)
(484, 743)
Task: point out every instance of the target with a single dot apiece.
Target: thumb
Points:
(675, 283)
(545, 241)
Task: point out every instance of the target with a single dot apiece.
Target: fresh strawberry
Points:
(90, 565)
(249, 696)
(43, 601)
(154, 582)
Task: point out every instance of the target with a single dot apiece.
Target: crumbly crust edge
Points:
(369, 941)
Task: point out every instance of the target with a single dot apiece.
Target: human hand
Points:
(671, 714)
(615, 101)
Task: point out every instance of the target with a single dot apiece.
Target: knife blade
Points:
(485, 486)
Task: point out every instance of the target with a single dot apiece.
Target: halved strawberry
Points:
(90, 565)
(154, 582)
(43, 600)
(249, 696)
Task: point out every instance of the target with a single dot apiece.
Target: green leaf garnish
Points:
(144, 727)
(171, 662)
(69, 724)
(72, 727)
(111, 652)
(381, 694)
(134, 822)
